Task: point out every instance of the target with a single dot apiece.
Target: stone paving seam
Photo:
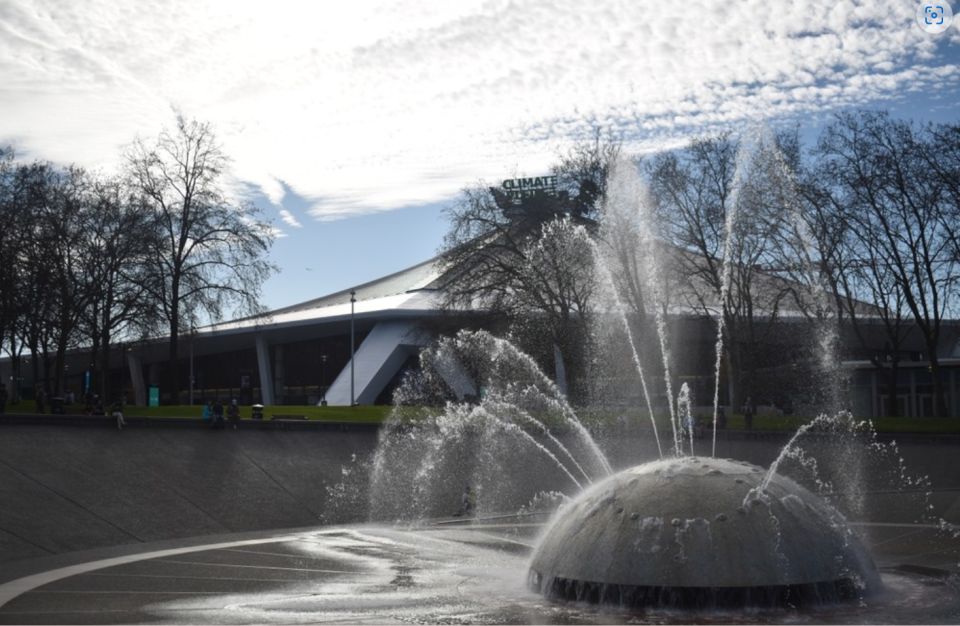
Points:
(19, 586)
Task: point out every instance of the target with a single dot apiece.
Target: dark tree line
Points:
(860, 229)
(891, 191)
(90, 261)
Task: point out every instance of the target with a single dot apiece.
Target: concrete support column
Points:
(266, 376)
(912, 404)
(279, 376)
(136, 379)
(954, 395)
(455, 375)
(153, 374)
(378, 358)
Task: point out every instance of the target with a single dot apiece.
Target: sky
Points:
(353, 124)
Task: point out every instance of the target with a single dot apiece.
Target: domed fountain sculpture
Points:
(695, 531)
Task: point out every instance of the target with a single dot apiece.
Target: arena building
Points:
(301, 354)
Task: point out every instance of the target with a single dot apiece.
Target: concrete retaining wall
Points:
(75, 488)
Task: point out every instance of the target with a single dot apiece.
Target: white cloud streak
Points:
(289, 219)
(367, 106)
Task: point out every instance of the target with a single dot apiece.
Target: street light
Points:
(193, 331)
(353, 301)
(323, 379)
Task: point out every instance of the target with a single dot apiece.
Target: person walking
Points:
(117, 412)
(748, 414)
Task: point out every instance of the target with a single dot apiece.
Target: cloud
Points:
(289, 219)
(364, 107)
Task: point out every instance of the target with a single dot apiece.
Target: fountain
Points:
(678, 531)
(554, 514)
(695, 532)
(692, 531)
(490, 500)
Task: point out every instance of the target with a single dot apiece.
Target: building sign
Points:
(519, 188)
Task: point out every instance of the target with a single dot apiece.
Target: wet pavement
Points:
(446, 572)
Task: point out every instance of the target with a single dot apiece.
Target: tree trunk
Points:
(59, 366)
(939, 396)
(892, 388)
(731, 345)
(105, 373)
(173, 374)
(733, 381)
(15, 373)
(748, 363)
(95, 369)
(560, 369)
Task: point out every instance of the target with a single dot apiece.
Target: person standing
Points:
(217, 414)
(468, 503)
(748, 414)
(233, 413)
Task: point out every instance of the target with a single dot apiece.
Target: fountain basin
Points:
(696, 531)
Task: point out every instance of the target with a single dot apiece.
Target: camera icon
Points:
(934, 17)
(933, 14)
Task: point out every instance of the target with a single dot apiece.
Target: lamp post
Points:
(193, 331)
(323, 379)
(353, 301)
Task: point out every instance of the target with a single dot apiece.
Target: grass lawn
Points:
(785, 423)
(881, 424)
(596, 417)
(364, 414)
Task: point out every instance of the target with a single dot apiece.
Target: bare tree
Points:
(12, 244)
(116, 253)
(527, 273)
(940, 154)
(210, 252)
(583, 171)
(853, 270)
(695, 188)
(530, 264)
(880, 168)
(52, 206)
